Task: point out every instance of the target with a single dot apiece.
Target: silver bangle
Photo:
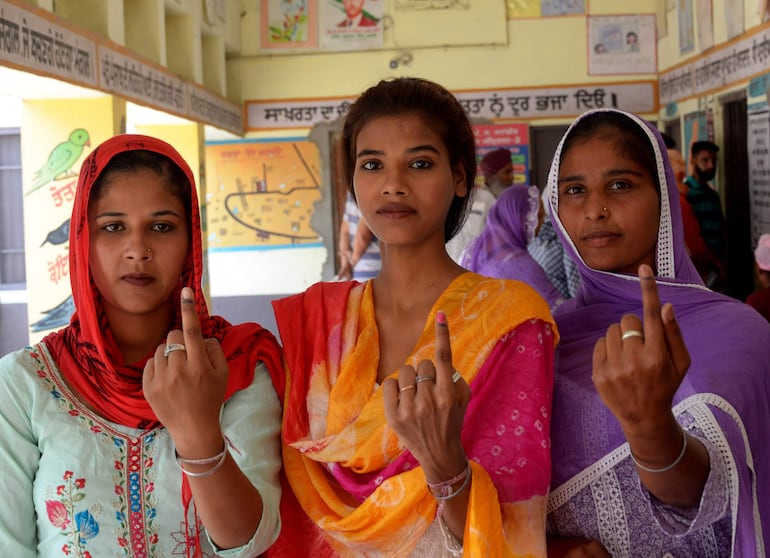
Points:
(218, 460)
(667, 467)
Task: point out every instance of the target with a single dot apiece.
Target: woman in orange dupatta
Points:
(417, 404)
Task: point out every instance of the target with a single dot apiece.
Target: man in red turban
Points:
(497, 169)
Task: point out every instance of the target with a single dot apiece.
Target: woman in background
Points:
(501, 248)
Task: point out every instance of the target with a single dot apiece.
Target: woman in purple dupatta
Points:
(721, 404)
(501, 249)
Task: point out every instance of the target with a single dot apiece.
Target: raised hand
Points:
(426, 407)
(637, 367)
(186, 387)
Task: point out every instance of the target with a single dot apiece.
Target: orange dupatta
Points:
(362, 492)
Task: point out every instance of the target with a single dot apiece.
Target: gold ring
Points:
(424, 379)
(171, 347)
(407, 388)
(632, 333)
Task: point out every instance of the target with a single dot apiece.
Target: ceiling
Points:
(15, 85)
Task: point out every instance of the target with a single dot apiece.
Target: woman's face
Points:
(139, 242)
(609, 206)
(403, 180)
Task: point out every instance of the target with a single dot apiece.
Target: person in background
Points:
(501, 248)
(760, 300)
(355, 15)
(146, 427)
(359, 250)
(546, 249)
(416, 404)
(496, 167)
(710, 268)
(632, 42)
(660, 413)
(705, 201)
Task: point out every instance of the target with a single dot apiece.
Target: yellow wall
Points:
(533, 52)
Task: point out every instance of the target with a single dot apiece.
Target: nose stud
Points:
(604, 210)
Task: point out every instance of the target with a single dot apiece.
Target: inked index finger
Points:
(653, 326)
(191, 326)
(444, 368)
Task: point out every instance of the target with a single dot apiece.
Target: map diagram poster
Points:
(261, 194)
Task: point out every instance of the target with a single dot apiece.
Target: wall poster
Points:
(260, 194)
(522, 8)
(350, 24)
(622, 45)
(287, 24)
(705, 24)
(686, 27)
(759, 172)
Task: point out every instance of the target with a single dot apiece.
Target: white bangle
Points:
(218, 460)
(444, 489)
(667, 467)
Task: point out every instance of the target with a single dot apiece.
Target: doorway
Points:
(545, 139)
(735, 164)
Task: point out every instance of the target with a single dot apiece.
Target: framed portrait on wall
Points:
(350, 24)
(623, 44)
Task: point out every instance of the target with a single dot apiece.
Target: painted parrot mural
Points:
(61, 159)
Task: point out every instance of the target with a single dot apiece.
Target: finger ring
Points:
(456, 377)
(632, 333)
(407, 388)
(425, 379)
(171, 347)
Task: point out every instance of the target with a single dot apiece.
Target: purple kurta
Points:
(501, 249)
(724, 400)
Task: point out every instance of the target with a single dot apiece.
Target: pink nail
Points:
(440, 318)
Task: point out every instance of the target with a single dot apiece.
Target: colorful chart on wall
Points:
(513, 136)
(261, 194)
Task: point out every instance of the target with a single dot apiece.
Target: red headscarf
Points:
(494, 161)
(86, 352)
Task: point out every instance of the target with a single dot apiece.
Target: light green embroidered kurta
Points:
(76, 485)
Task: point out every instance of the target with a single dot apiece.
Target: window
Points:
(12, 270)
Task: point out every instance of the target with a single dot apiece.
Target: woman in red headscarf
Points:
(113, 426)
